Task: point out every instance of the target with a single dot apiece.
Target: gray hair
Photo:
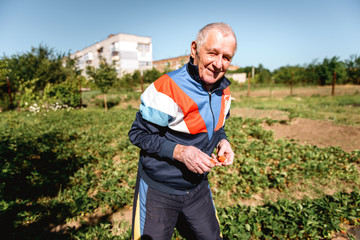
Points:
(224, 28)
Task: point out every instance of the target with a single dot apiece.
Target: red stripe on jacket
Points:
(192, 117)
(224, 100)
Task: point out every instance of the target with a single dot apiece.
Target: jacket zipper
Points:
(212, 113)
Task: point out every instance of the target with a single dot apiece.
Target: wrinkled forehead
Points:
(217, 40)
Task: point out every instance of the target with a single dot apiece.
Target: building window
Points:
(115, 48)
(88, 57)
(81, 60)
(143, 47)
(144, 63)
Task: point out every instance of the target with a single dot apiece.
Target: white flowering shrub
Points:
(35, 108)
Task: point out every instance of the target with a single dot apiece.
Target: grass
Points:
(341, 109)
(62, 166)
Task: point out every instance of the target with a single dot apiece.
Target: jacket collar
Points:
(193, 71)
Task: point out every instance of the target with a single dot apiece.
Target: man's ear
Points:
(193, 49)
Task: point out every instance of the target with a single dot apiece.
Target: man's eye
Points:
(227, 58)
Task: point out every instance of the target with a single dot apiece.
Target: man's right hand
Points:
(194, 159)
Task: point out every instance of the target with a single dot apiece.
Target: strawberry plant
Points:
(62, 166)
(285, 219)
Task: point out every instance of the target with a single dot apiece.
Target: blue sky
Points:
(273, 33)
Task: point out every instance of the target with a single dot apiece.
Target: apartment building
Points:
(127, 52)
(177, 62)
(171, 63)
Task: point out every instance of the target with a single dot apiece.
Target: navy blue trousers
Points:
(156, 214)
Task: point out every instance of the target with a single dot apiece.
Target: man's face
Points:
(214, 57)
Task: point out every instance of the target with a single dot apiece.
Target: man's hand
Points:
(224, 149)
(194, 159)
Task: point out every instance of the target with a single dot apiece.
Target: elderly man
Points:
(179, 124)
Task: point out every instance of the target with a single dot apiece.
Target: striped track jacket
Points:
(176, 109)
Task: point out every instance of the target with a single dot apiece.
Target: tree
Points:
(263, 74)
(104, 78)
(328, 67)
(284, 74)
(151, 75)
(126, 81)
(136, 76)
(311, 75)
(5, 98)
(40, 63)
(42, 75)
(353, 69)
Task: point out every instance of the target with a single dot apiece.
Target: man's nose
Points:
(218, 61)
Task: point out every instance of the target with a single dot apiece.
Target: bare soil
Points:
(306, 131)
(319, 133)
(301, 91)
(123, 215)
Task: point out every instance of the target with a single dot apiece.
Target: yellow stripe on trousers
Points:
(217, 219)
(137, 233)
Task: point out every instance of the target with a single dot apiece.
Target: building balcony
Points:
(115, 58)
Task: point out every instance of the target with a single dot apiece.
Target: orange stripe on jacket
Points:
(192, 117)
(224, 102)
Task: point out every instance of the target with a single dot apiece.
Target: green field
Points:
(66, 174)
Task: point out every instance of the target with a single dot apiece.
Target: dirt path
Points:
(319, 133)
(301, 91)
(306, 131)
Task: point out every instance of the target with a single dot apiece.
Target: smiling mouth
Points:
(214, 72)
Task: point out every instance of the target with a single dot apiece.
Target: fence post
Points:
(333, 84)
(248, 92)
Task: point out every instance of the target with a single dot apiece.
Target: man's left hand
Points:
(224, 149)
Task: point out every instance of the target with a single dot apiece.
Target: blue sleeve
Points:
(222, 134)
(150, 138)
